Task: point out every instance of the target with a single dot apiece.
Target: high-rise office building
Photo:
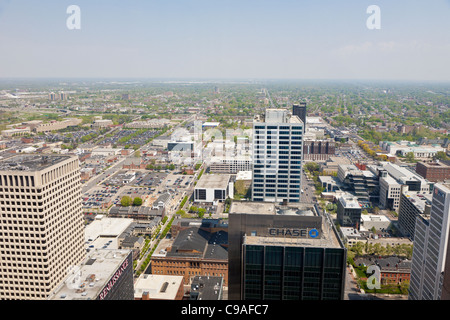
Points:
(277, 157)
(429, 272)
(299, 110)
(412, 204)
(41, 224)
(283, 253)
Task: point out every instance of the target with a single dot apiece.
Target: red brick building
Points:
(434, 171)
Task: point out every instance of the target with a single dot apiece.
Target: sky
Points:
(226, 39)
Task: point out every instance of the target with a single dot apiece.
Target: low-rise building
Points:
(194, 252)
(212, 188)
(434, 171)
(349, 211)
(158, 287)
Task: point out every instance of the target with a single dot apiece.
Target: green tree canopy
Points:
(126, 201)
(137, 201)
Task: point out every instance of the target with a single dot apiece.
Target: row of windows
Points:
(259, 127)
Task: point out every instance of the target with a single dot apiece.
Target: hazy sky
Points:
(300, 39)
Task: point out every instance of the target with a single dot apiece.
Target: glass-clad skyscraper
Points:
(287, 272)
(279, 252)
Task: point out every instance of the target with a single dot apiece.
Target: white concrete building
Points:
(212, 188)
(277, 157)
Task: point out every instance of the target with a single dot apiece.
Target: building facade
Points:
(198, 250)
(428, 269)
(318, 150)
(42, 230)
(277, 157)
(212, 188)
(412, 205)
(283, 253)
(349, 212)
(434, 171)
(299, 110)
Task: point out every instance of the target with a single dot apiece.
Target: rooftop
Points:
(349, 202)
(419, 199)
(434, 164)
(87, 282)
(31, 162)
(213, 181)
(327, 239)
(106, 228)
(206, 288)
(160, 287)
(195, 242)
(270, 208)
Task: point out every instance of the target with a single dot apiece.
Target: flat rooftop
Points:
(270, 208)
(327, 239)
(31, 162)
(159, 287)
(106, 228)
(349, 202)
(419, 199)
(91, 277)
(213, 181)
(434, 164)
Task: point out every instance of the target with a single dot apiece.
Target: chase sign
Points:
(294, 232)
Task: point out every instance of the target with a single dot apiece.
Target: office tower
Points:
(412, 204)
(277, 157)
(430, 254)
(392, 177)
(41, 224)
(283, 253)
(299, 110)
(52, 96)
(63, 96)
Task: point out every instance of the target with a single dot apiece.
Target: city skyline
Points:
(222, 40)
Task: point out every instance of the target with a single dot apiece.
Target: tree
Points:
(441, 155)
(137, 202)
(410, 157)
(201, 212)
(126, 201)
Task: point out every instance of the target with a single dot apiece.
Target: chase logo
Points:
(313, 233)
(293, 232)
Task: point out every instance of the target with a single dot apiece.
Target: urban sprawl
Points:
(245, 190)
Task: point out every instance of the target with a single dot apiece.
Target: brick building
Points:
(194, 252)
(434, 171)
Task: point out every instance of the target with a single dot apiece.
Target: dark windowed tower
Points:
(299, 110)
(283, 253)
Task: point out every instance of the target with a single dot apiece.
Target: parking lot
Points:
(124, 137)
(100, 197)
(179, 181)
(140, 178)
